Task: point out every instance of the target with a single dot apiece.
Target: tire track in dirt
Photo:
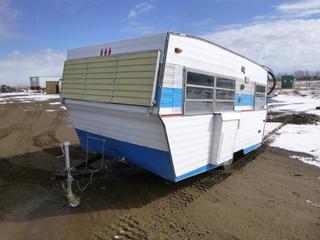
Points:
(10, 130)
(140, 223)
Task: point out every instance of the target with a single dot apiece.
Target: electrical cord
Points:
(271, 73)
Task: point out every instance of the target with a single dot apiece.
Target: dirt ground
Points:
(265, 195)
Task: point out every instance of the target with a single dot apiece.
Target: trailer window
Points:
(200, 79)
(260, 97)
(206, 94)
(199, 93)
(225, 93)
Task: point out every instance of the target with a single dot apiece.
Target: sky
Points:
(35, 34)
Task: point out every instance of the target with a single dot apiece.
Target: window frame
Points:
(214, 88)
(255, 96)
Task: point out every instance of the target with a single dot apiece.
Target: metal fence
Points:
(307, 84)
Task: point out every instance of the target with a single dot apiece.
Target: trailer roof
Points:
(215, 44)
(159, 36)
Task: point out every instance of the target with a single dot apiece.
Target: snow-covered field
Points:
(304, 138)
(26, 97)
(290, 102)
(300, 138)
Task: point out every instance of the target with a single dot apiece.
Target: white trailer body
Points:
(173, 104)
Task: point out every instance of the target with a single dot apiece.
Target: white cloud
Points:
(8, 17)
(300, 8)
(132, 22)
(284, 45)
(139, 9)
(17, 67)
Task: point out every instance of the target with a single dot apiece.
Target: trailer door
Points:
(225, 126)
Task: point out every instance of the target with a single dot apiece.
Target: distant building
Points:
(52, 87)
(35, 83)
(287, 81)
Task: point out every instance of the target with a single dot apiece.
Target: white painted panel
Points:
(224, 135)
(190, 140)
(168, 77)
(125, 123)
(201, 55)
(250, 129)
(123, 46)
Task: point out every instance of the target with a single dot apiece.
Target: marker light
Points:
(178, 50)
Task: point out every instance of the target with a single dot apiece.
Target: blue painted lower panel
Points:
(196, 171)
(244, 99)
(251, 148)
(156, 161)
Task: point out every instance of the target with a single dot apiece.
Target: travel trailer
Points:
(173, 104)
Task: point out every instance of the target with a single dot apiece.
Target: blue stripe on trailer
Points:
(153, 160)
(251, 148)
(244, 99)
(196, 171)
(171, 97)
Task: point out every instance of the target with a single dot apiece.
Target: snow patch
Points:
(308, 160)
(270, 126)
(55, 103)
(300, 138)
(296, 103)
(50, 110)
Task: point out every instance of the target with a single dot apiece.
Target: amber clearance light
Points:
(178, 50)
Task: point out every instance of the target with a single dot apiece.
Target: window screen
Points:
(199, 93)
(260, 97)
(225, 93)
(206, 94)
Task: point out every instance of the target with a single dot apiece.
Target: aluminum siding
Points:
(190, 141)
(250, 130)
(202, 55)
(154, 42)
(124, 123)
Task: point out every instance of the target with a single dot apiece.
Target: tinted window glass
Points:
(226, 83)
(199, 107)
(223, 106)
(200, 79)
(199, 93)
(260, 89)
(224, 95)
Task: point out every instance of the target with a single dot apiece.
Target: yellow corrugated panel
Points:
(136, 68)
(133, 101)
(90, 76)
(133, 94)
(137, 62)
(72, 86)
(127, 78)
(133, 81)
(66, 77)
(101, 70)
(75, 66)
(96, 98)
(75, 71)
(70, 95)
(128, 87)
